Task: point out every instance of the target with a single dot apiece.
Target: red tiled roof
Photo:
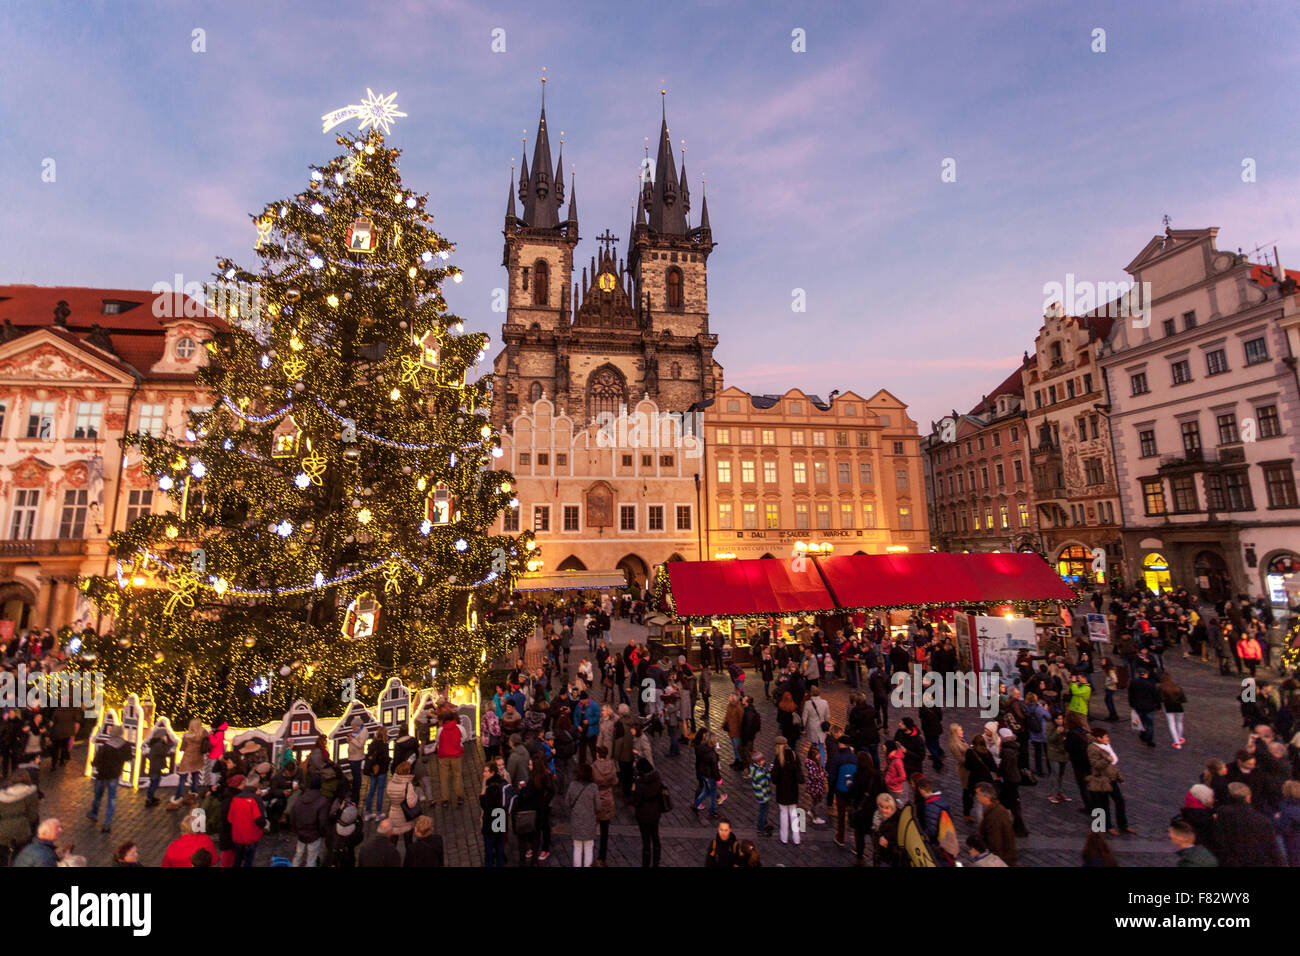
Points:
(1011, 385)
(1265, 276)
(136, 334)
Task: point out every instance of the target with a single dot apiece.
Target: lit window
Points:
(823, 517)
(801, 516)
(769, 436)
(821, 473)
(846, 515)
(749, 513)
(747, 472)
(747, 436)
(796, 437)
(769, 472)
(724, 515)
(905, 518)
(722, 436)
(800, 473)
(724, 472)
(773, 512)
(683, 517)
(151, 420)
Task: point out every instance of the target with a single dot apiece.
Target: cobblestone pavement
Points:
(1155, 781)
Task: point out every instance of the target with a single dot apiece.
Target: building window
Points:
(541, 283)
(864, 439)
(683, 517)
(724, 472)
(819, 439)
(823, 516)
(1216, 362)
(796, 408)
(821, 473)
(1019, 467)
(1093, 472)
(722, 436)
(1087, 382)
(901, 449)
(844, 473)
(997, 439)
(773, 512)
(627, 461)
(1001, 475)
(1069, 388)
(627, 518)
(796, 437)
(1256, 351)
(1024, 515)
(185, 348)
(964, 527)
(674, 288)
(1237, 486)
(655, 518)
(571, 518)
(647, 461)
(151, 420)
(138, 503)
(605, 392)
(542, 518)
(1051, 394)
(1147, 443)
(40, 421)
(1038, 403)
(733, 405)
(1269, 424)
(800, 473)
(1170, 327)
(747, 472)
(1227, 428)
(865, 477)
(72, 520)
(543, 459)
(984, 478)
(26, 503)
(724, 515)
(534, 391)
(905, 518)
(1183, 488)
(525, 459)
(1138, 383)
(851, 410)
(665, 461)
(1181, 371)
(981, 444)
(1280, 484)
(801, 516)
(846, 516)
(510, 519)
(747, 436)
(1191, 438)
(1189, 320)
(769, 436)
(1006, 519)
(1153, 494)
(749, 513)
(769, 472)
(561, 460)
(961, 483)
(842, 438)
(1015, 434)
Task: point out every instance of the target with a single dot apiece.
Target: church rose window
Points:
(605, 392)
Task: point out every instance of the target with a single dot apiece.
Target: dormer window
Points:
(112, 308)
(185, 348)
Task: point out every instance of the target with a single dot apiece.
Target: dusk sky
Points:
(823, 167)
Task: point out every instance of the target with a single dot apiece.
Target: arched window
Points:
(534, 391)
(675, 370)
(674, 288)
(605, 392)
(541, 283)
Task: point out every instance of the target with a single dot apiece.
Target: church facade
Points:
(592, 338)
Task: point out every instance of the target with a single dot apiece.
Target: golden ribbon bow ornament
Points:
(393, 577)
(184, 585)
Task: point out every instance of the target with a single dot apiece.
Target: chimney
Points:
(61, 313)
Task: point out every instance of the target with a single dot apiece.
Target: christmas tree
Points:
(332, 509)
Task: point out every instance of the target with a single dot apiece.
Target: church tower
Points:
(622, 330)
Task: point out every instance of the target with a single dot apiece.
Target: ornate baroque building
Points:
(79, 368)
(604, 335)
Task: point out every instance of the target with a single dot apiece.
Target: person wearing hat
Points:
(344, 835)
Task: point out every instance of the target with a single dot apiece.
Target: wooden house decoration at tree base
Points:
(163, 725)
(296, 733)
(338, 737)
(395, 708)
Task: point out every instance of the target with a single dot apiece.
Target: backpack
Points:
(844, 778)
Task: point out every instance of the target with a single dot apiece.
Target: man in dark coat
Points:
(1242, 835)
(1144, 697)
(997, 828)
(750, 724)
(378, 849)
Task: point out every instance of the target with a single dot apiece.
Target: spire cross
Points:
(608, 237)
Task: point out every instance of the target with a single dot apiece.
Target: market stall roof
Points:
(700, 589)
(764, 586)
(936, 578)
(570, 580)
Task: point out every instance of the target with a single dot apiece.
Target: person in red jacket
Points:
(246, 819)
(450, 751)
(181, 850)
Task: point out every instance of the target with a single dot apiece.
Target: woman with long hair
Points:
(957, 746)
(1172, 699)
(787, 775)
(544, 784)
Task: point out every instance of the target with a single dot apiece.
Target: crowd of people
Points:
(579, 733)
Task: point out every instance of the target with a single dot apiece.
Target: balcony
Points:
(42, 547)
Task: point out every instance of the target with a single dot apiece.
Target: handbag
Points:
(1134, 720)
(665, 800)
(408, 811)
(526, 822)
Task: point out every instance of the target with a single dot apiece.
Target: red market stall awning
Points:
(707, 589)
(901, 580)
